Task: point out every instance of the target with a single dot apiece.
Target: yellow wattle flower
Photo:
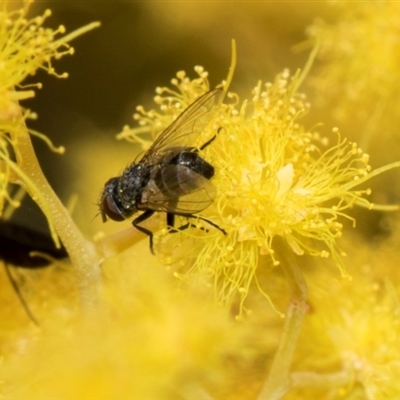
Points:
(25, 46)
(355, 325)
(358, 74)
(274, 177)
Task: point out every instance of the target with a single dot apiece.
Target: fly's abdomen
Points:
(194, 162)
(184, 174)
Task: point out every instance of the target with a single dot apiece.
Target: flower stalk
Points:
(82, 252)
(26, 46)
(278, 381)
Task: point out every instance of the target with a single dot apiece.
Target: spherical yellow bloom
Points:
(358, 76)
(273, 176)
(355, 327)
(25, 46)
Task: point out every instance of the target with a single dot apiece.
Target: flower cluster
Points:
(25, 46)
(358, 322)
(359, 54)
(274, 177)
(279, 186)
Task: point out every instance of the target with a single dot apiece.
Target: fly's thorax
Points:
(131, 184)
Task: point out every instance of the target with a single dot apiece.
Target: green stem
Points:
(278, 381)
(82, 252)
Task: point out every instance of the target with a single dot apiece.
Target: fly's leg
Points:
(173, 229)
(171, 224)
(146, 215)
(211, 223)
(208, 141)
(170, 220)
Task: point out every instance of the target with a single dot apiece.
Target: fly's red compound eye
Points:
(110, 209)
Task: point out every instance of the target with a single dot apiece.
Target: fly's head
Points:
(110, 202)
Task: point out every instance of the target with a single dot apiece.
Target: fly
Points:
(171, 177)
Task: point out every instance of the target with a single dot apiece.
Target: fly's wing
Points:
(178, 190)
(184, 130)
